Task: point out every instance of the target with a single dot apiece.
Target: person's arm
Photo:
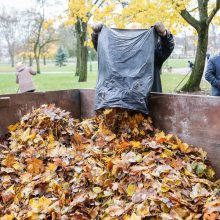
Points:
(164, 47)
(97, 27)
(210, 75)
(32, 72)
(95, 37)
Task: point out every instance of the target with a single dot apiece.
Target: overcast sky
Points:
(58, 5)
(19, 4)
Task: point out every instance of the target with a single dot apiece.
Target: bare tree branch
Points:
(190, 19)
(214, 11)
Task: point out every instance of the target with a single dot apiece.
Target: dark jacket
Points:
(212, 74)
(163, 50)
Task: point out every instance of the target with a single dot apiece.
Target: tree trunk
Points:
(45, 62)
(83, 67)
(12, 60)
(83, 54)
(38, 64)
(30, 61)
(193, 84)
(78, 33)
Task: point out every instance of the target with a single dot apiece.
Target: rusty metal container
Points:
(195, 119)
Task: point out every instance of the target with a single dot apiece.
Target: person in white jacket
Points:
(24, 78)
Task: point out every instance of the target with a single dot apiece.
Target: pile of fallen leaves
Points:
(114, 166)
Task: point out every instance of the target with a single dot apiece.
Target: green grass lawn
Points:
(177, 63)
(50, 67)
(60, 81)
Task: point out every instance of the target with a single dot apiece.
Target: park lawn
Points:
(177, 63)
(58, 81)
(51, 67)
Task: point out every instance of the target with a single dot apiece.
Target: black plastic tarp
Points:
(125, 68)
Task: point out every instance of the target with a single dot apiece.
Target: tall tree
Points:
(80, 12)
(177, 13)
(201, 25)
(9, 31)
(43, 32)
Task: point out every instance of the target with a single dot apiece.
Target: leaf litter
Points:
(113, 166)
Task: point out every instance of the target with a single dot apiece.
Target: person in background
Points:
(191, 65)
(212, 74)
(208, 56)
(163, 49)
(24, 78)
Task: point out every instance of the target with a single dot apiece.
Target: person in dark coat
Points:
(212, 74)
(163, 49)
(190, 64)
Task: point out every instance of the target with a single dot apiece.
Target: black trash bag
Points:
(125, 67)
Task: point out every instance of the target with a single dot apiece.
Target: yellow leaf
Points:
(110, 137)
(32, 216)
(188, 173)
(138, 158)
(174, 146)
(107, 111)
(17, 166)
(37, 205)
(160, 135)
(165, 188)
(184, 148)
(25, 135)
(7, 217)
(166, 153)
(9, 161)
(97, 190)
(142, 132)
(133, 217)
(131, 189)
(51, 137)
(52, 167)
(12, 128)
(136, 144)
(35, 165)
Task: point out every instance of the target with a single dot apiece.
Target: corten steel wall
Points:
(195, 119)
(12, 107)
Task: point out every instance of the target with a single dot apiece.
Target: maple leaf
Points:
(9, 161)
(97, 190)
(12, 128)
(8, 195)
(131, 189)
(35, 165)
(39, 204)
(7, 217)
(133, 217)
(135, 144)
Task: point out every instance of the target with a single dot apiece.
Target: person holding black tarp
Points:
(129, 67)
(163, 49)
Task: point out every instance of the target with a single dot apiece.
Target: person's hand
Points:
(160, 28)
(97, 27)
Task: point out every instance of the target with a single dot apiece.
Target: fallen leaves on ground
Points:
(113, 166)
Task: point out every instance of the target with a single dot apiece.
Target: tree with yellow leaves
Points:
(176, 14)
(79, 14)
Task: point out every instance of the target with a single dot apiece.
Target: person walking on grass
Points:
(24, 78)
